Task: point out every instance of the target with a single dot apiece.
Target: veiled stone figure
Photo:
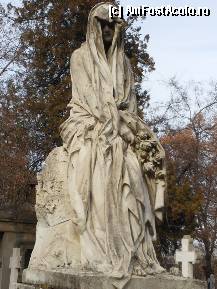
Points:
(113, 180)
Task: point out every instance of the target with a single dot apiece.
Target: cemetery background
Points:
(17, 230)
(32, 107)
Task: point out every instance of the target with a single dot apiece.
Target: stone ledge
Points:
(66, 280)
(24, 286)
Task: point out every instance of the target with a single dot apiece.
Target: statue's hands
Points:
(123, 106)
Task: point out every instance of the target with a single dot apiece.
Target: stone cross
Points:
(187, 256)
(14, 266)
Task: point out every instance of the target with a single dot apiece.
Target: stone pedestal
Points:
(64, 280)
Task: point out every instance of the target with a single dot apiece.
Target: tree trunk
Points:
(208, 262)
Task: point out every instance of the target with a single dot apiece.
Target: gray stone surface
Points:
(15, 266)
(24, 286)
(48, 279)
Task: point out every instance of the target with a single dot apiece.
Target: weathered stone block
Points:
(65, 280)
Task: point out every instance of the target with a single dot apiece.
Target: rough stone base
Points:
(64, 280)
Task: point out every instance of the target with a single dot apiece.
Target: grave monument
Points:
(14, 266)
(99, 194)
(186, 256)
(211, 282)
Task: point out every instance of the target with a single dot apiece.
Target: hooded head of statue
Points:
(103, 32)
(110, 65)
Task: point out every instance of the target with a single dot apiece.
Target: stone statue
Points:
(99, 194)
(211, 282)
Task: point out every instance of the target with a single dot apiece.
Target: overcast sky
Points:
(182, 46)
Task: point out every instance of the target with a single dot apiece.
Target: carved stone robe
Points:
(109, 196)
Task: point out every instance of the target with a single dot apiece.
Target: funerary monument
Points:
(98, 195)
